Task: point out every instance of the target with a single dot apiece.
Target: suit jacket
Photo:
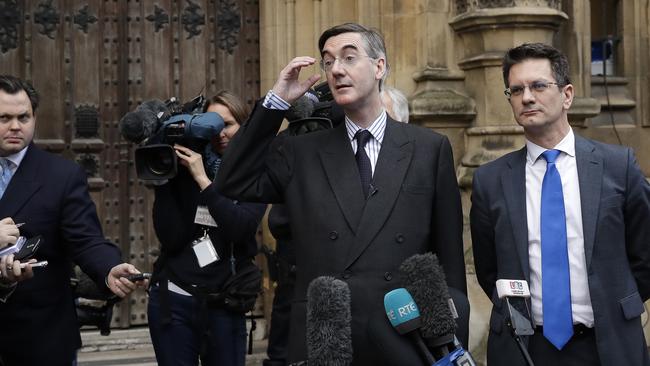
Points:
(415, 208)
(50, 195)
(615, 209)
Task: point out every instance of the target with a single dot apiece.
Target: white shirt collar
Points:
(17, 158)
(376, 128)
(567, 146)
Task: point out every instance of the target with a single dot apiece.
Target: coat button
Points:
(347, 274)
(334, 235)
(388, 276)
(399, 238)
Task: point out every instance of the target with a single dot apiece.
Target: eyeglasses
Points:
(535, 87)
(348, 60)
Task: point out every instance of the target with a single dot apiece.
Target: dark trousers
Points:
(277, 348)
(579, 351)
(10, 362)
(180, 342)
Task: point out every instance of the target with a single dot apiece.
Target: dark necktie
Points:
(363, 161)
(556, 285)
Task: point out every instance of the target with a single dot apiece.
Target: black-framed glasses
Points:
(348, 60)
(535, 87)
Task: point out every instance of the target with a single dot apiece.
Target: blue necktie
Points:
(363, 161)
(6, 175)
(556, 285)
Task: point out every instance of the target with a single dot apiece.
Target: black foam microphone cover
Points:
(424, 279)
(143, 122)
(154, 106)
(329, 331)
(303, 107)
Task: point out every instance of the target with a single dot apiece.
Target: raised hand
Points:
(288, 86)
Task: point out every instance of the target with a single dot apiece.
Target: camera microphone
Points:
(302, 108)
(144, 121)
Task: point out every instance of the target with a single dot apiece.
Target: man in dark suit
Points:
(48, 195)
(354, 221)
(568, 215)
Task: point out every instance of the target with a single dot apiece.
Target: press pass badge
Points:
(203, 217)
(204, 250)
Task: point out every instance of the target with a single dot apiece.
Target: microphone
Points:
(144, 121)
(424, 278)
(512, 290)
(516, 293)
(404, 316)
(329, 333)
(301, 108)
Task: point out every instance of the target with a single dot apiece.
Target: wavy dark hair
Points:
(559, 62)
(12, 85)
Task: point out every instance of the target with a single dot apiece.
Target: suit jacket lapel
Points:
(590, 172)
(513, 182)
(23, 184)
(392, 164)
(343, 175)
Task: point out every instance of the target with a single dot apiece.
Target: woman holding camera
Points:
(207, 249)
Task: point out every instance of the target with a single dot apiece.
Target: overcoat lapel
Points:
(513, 183)
(22, 186)
(590, 173)
(343, 175)
(392, 164)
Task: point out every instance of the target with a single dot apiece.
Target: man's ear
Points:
(569, 93)
(381, 69)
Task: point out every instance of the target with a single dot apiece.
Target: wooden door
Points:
(93, 61)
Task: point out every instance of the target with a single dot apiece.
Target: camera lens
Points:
(156, 162)
(160, 162)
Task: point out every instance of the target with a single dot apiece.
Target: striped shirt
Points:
(273, 101)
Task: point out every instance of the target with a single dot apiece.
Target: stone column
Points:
(440, 101)
(488, 29)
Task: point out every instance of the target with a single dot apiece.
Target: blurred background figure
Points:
(396, 104)
(207, 249)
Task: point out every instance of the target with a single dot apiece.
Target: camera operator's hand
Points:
(9, 232)
(194, 163)
(11, 272)
(118, 283)
(288, 87)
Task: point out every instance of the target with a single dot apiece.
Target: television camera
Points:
(156, 126)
